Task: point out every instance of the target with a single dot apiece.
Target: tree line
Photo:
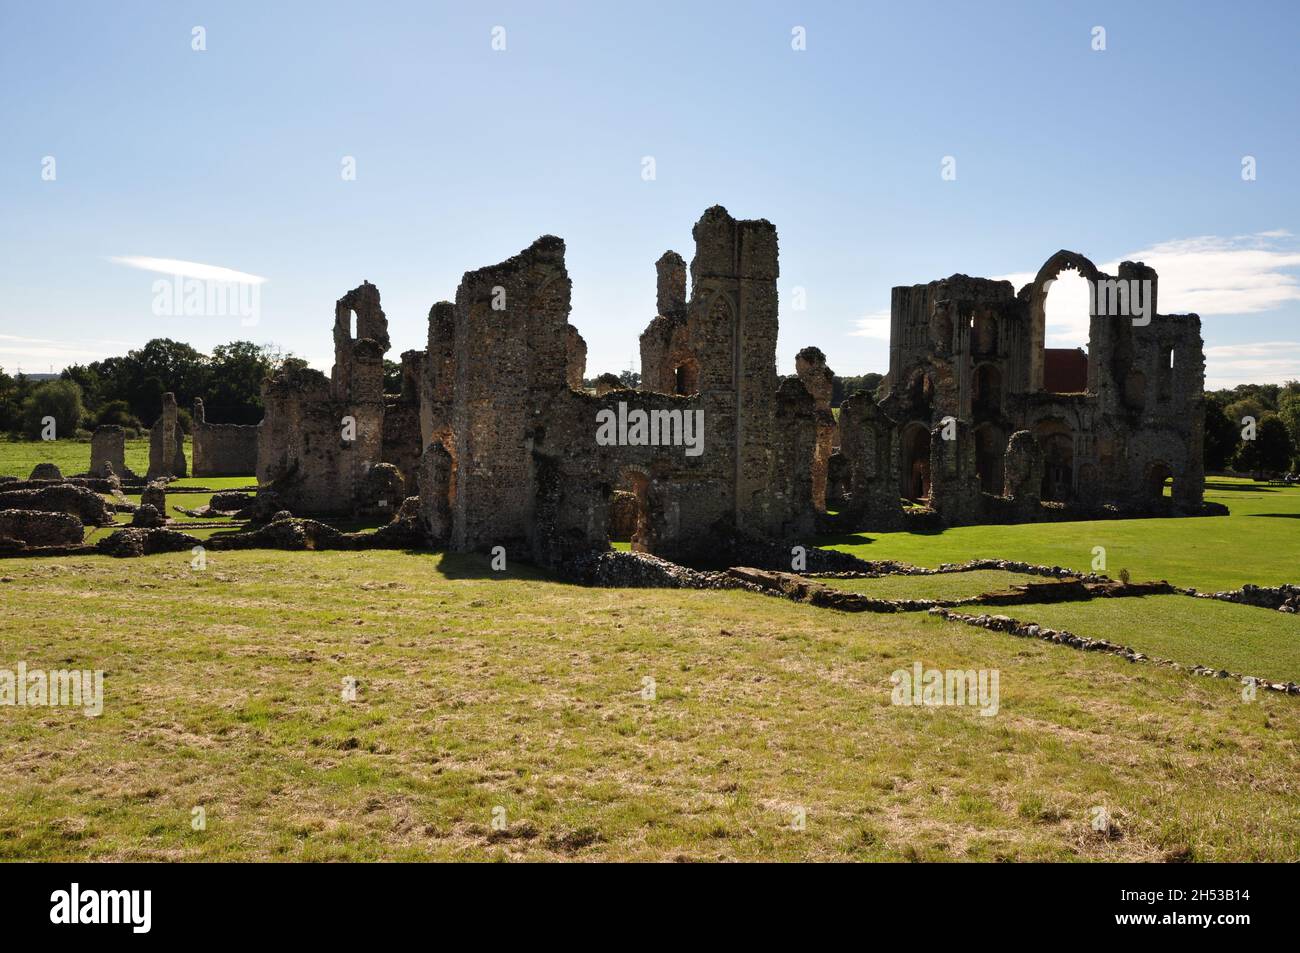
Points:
(128, 390)
(1253, 428)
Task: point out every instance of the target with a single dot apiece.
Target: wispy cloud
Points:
(188, 269)
(1208, 275)
(1228, 365)
(1244, 274)
(874, 325)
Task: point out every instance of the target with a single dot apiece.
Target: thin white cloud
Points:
(1265, 361)
(874, 325)
(1208, 275)
(188, 269)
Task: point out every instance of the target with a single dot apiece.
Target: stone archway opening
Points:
(629, 512)
(1061, 294)
(1159, 476)
(686, 378)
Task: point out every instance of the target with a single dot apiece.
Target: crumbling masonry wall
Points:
(973, 350)
(166, 443)
(512, 457)
(222, 449)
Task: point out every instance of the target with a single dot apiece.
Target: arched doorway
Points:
(686, 378)
(1070, 279)
(1158, 475)
(915, 484)
(629, 516)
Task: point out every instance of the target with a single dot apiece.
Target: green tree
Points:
(10, 403)
(1288, 408)
(116, 412)
(58, 399)
(237, 369)
(1270, 451)
(1222, 434)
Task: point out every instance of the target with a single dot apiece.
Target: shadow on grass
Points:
(479, 566)
(842, 539)
(1281, 516)
(1242, 487)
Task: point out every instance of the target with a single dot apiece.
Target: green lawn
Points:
(1259, 543)
(18, 457)
(1241, 639)
(478, 692)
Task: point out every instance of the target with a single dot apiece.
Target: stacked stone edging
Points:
(1032, 630)
(1283, 598)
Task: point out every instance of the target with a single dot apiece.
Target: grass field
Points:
(512, 697)
(17, 457)
(478, 692)
(1193, 631)
(1259, 543)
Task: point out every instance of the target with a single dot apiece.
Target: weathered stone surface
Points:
(41, 528)
(1108, 427)
(46, 471)
(230, 501)
(1284, 598)
(137, 541)
(222, 449)
(381, 492)
(575, 349)
(286, 532)
(85, 504)
(148, 516)
(167, 443)
(155, 495)
(810, 365)
(321, 436)
(108, 452)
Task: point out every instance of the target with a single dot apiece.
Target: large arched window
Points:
(1060, 317)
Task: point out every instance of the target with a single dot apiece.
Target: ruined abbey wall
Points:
(493, 431)
(973, 350)
(222, 449)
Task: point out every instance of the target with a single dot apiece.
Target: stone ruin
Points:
(321, 437)
(222, 449)
(167, 443)
(494, 436)
(980, 422)
(108, 453)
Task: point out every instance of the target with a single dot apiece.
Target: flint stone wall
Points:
(41, 528)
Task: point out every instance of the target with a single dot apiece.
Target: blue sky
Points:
(232, 157)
